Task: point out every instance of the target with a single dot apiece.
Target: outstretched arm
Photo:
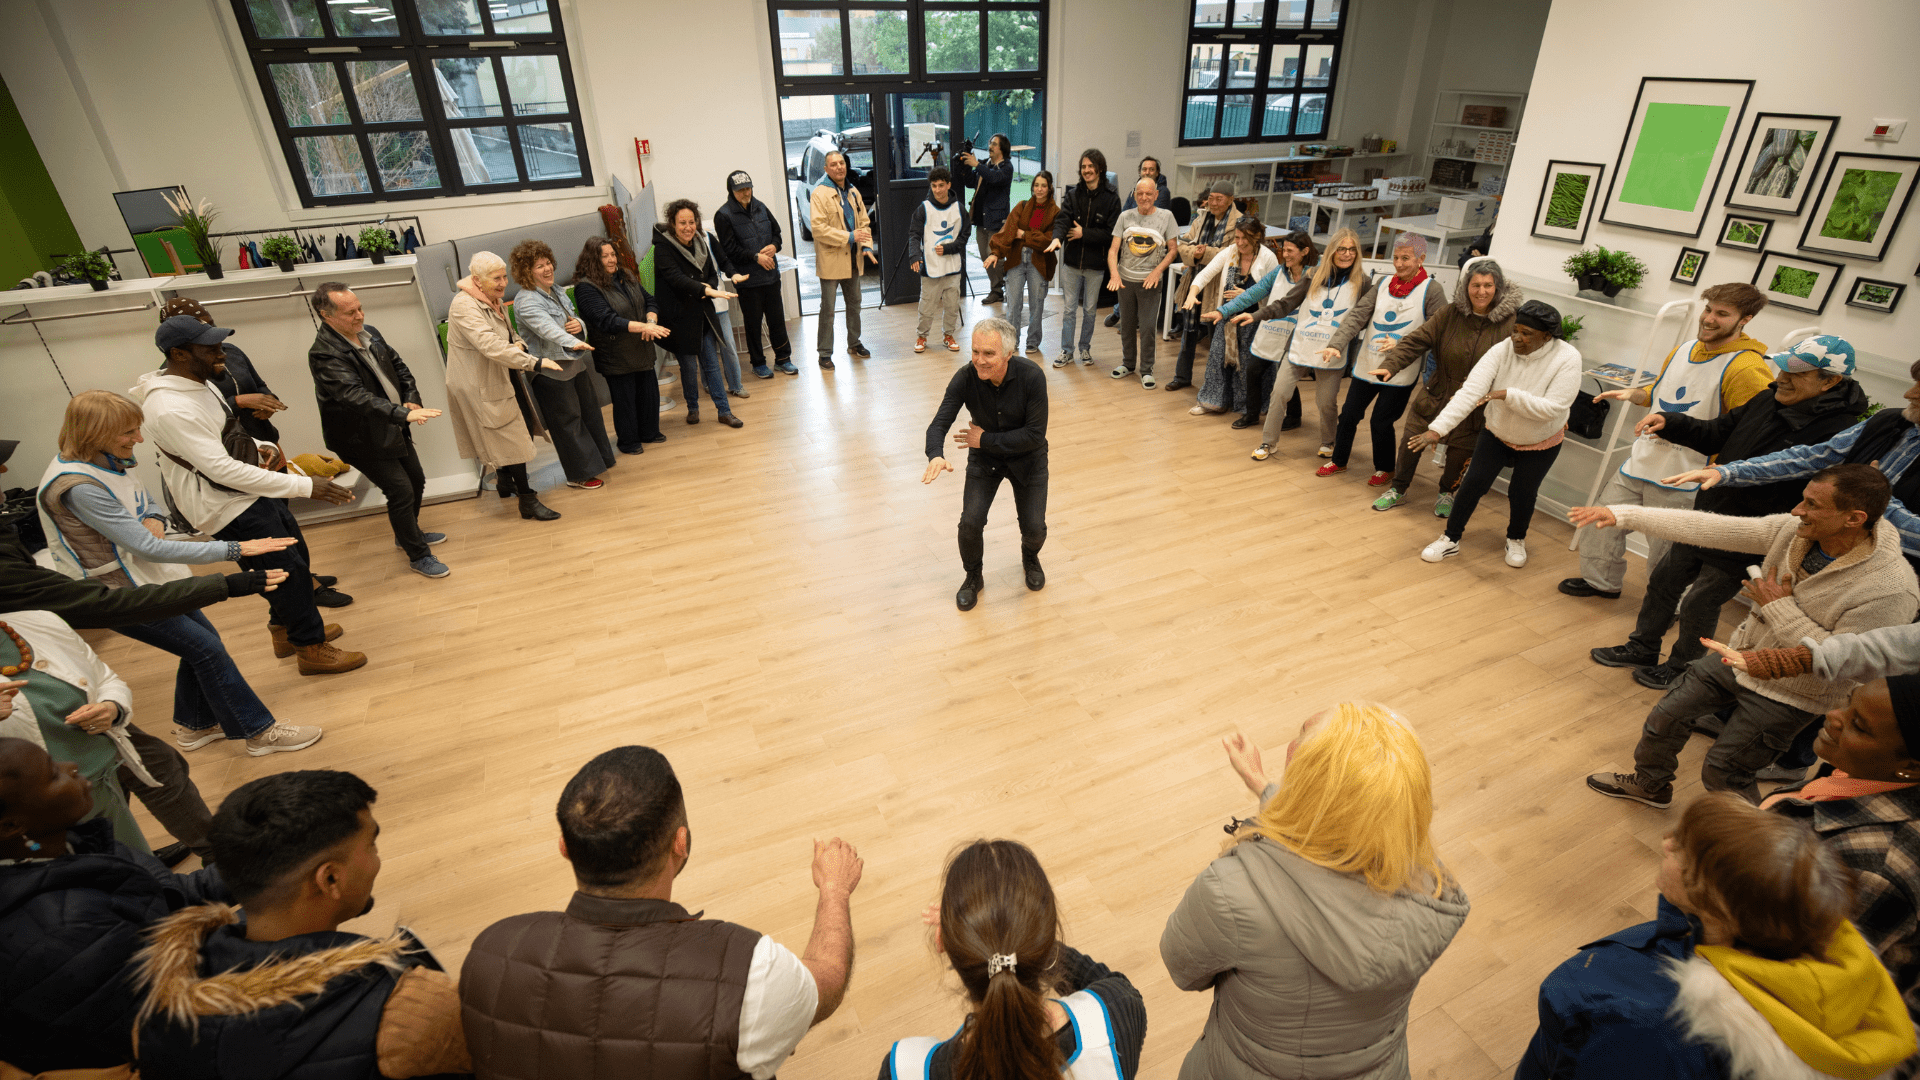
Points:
(829, 955)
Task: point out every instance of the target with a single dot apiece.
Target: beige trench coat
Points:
(483, 352)
(832, 243)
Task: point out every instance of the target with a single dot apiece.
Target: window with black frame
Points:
(1260, 70)
(376, 100)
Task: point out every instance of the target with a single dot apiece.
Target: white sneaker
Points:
(187, 738)
(1197, 410)
(1439, 549)
(1263, 452)
(281, 738)
(1516, 553)
(1326, 451)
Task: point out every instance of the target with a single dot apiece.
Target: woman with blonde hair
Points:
(493, 412)
(1040, 1009)
(1318, 305)
(1314, 925)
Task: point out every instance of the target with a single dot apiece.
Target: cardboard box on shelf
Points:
(1465, 212)
(1484, 115)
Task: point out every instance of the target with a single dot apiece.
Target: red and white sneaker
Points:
(952, 345)
(1380, 479)
(920, 345)
(589, 484)
(1329, 469)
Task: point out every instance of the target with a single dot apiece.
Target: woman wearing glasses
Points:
(1318, 304)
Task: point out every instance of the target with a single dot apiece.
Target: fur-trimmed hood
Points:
(1506, 300)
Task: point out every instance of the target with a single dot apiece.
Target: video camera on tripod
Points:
(937, 152)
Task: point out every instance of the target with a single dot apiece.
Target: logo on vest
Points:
(1677, 405)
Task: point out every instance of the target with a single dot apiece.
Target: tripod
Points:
(935, 152)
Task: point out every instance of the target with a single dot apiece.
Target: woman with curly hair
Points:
(688, 278)
(553, 332)
(623, 322)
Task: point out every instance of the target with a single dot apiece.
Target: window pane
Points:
(384, 89)
(1203, 68)
(1250, 13)
(450, 17)
(1326, 14)
(1020, 115)
(1293, 15)
(467, 86)
(879, 42)
(1237, 117)
(520, 16)
(535, 85)
(1202, 112)
(1013, 41)
(332, 164)
(1313, 115)
(953, 41)
(1284, 72)
(405, 160)
(1210, 14)
(284, 19)
(1319, 69)
(810, 42)
(918, 121)
(1243, 63)
(1279, 115)
(374, 18)
(485, 155)
(309, 94)
(549, 150)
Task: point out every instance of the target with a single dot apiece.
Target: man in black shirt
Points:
(1006, 399)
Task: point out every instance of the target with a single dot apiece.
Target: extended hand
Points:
(990, 260)
(1381, 373)
(1329, 354)
(738, 278)
(1706, 478)
(1613, 395)
(549, 365)
(8, 691)
(1729, 657)
(95, 718)
(1055, 246)
(418, 415)
(1215, 316)
(1597, 516)
(969, 438)
(325, 490)
(266, 546)
(836, 867)
(274, 578)
(1192, 302)
(653, 331)
(259, 403)
(1765, 591)
(935, 467)
(573, 327)
(915, 267)
(1244, 756)
(1654, 422)
(1423, 440)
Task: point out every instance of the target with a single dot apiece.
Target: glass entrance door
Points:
(811, 125)
(919, 139)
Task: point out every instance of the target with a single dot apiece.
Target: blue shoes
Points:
(428, 566)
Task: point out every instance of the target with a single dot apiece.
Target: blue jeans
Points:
(1024, 283)
(729, 360)
(1083, 294)
(207, 688)
(707, 360)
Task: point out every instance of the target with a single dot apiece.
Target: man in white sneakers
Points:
(216, 484)
(1145, 241)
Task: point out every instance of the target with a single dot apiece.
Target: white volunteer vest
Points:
(1320, 316)
(1270, 338)
(1096, 1058)
(132, 495)
(1687, 388)
(1394, 317)
(942, 226)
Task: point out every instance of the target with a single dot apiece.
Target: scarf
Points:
(467, 286)
(697, 255)
(1835, 785)
(1400, 289)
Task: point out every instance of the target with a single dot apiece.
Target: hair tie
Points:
(1000, 962)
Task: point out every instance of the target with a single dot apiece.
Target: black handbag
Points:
(1587, 417)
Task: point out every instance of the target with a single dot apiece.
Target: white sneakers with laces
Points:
(1516, 553)
(1439, 549)
(281, 738)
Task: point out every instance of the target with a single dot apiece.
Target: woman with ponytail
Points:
(1313, 927)
(1041, 1009)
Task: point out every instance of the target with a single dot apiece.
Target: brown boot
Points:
(283, 648)
(324, 659)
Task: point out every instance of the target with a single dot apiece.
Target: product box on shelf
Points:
(1406, 185)
(1465, 212)
(1448, 173)
(1331, 187)
(1484, 115)
(1354, 193)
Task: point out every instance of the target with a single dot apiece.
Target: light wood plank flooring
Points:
(772, 608)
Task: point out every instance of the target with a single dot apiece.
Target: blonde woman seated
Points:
(494, 415)
(1315, 924)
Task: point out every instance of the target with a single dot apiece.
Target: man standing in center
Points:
(1006, 400)
(842, 243)
(937, 251)
(1144, 243)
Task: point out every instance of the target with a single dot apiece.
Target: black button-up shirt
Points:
(1013, 415)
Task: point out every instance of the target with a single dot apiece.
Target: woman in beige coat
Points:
(493, 417)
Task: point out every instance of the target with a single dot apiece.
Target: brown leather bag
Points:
(117, 1072)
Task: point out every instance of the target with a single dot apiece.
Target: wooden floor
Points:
(773, 608)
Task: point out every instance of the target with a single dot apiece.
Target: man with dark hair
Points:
(937, 251)
(1831, 566)
(625, 982)
(281, 991)
(1720, 370)
(367, 398)
(842, 244)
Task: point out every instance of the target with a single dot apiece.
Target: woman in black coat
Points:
(687, 279)
(622, 324)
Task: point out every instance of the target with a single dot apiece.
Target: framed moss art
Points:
(1675, 149)
(1859, 205)
(1793, 281)
(1567, 199)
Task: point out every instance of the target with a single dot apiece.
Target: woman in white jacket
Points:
(1238, 267)
(1527, 383)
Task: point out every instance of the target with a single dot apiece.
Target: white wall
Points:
(1115, 66)
(1592, 58)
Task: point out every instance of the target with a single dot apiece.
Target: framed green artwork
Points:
(1781, 163)
(1744, 233)
(1674, 152)
(1567, 199)
(1687, 269)
(1792, 281)
(1860, 205)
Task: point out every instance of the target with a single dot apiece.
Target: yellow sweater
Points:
(1745, 376)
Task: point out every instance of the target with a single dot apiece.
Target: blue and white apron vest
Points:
(941, 228)
(1270, 338)
(1394, 317)
(1687, 388)
(132, 495)
(1320, 316)
(1097, 1058)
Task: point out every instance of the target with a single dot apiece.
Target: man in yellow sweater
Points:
(1723, 368)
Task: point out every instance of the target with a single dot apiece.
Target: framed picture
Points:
(1781, 162)
(1687, 270)
(1796, 282)
(1744, 233)
(1881, 296)
(1567, 200)
(1859, 205)
(1675, 149)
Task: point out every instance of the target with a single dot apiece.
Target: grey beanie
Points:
(1222, 187)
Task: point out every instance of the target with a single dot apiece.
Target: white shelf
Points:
(1477, 127)
(1474, 160)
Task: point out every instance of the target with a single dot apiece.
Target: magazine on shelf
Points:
(1621, 373)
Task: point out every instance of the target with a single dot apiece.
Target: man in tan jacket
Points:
(1832, 566)
(842, 243)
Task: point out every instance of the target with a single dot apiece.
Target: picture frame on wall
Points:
(1687, 269)
(1743, 233)
(1567, 199)
(1781, 162)
(1875, 295)
(1861, 201)
(1674, 152)
(1795, 281)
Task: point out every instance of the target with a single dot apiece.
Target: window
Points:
(1260, 70)
(377, 100)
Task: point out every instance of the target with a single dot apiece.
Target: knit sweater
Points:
(1869, 587)
(1540, 389)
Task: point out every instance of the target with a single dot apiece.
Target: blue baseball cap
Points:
(179, 331)
(1823, 353)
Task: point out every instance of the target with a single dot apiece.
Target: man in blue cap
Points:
(1813, 399)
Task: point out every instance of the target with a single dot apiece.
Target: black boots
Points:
(969, 593)
(533, 509)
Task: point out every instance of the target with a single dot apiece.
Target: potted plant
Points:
(197, 223)
(1584, 268)
(92, 267)
(1621, 271)
(281, 251)
(1570, 327)
(377, 243)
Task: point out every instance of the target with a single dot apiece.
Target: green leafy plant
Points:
(1859, 204)
(87, 266)
(197, 221)
(280, 249)
(1872, 407)
(376, 239)
(1621, 269)
(1570, 327)
(1568, 198)
(1581, 263)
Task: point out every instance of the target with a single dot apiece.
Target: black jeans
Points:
(1713, 585)
(1028, 475)
(1490, 455)
(1388, 403)
(1190, 344)
(291, 605)
(1755, 736)
(763, 301)
(404, 484)
(1259, 376)
(571, 410)
(636, 408)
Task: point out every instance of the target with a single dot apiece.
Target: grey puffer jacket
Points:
(1311, 969)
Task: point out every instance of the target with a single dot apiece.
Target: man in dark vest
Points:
(627, 983)
(281, 992)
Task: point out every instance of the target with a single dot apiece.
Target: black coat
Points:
(993, 191)
(1762, 426)
(243, 378)
(1096, 213)
(356, 418)
(743, 231)
(685, 308)
(68, 929)
(606, 313)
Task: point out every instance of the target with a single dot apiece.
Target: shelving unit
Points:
(1491, 145)
(1185, 173)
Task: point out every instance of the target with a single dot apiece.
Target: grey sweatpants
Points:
(829, 288)
(1603, 552)
(940, 296)
(176, 803)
